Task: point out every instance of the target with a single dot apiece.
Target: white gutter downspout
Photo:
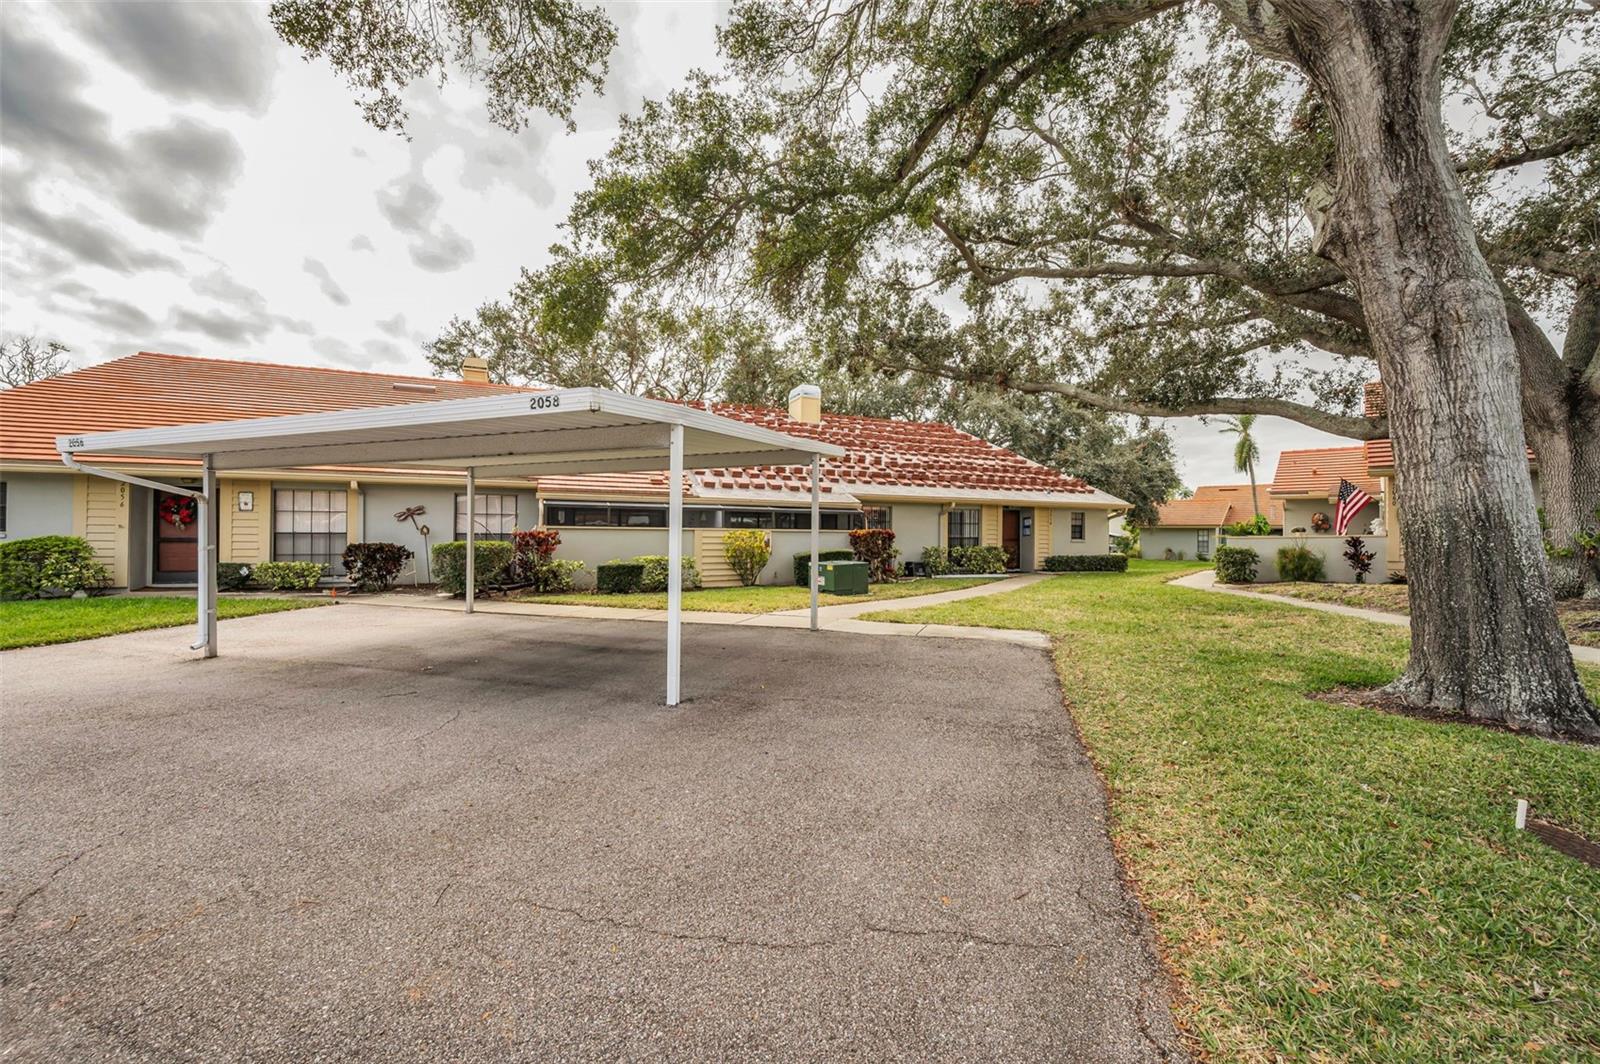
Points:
(127, 478)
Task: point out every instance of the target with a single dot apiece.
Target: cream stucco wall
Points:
(1155, 542)
(38, 504)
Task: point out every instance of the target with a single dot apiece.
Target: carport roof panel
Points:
(571, 430)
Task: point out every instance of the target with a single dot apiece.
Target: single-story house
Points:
(1193, 527)
(932, 484)
(1306, 484)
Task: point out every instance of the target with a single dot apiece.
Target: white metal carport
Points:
(566, 431)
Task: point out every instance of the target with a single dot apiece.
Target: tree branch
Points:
(1505, 160)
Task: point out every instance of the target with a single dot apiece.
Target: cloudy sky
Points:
(175, 178)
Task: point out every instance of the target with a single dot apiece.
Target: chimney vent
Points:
(805, 403)
(475, 370)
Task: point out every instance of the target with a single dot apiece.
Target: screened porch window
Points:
(310, 525)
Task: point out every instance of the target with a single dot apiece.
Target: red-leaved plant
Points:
(875, 546)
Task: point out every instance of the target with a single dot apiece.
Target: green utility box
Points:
(844, 578)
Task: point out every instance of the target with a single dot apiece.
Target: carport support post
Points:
(472, 536)
(206, 578)
(816, 515)
(674, 563)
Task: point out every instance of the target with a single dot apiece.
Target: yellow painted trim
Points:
(105, 524)
(710, 559)
(1043, 531)
(80, 506)
(989, 534)
(245, 537)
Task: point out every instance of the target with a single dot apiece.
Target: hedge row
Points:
(648, 572)
(50, 567)
(1086, 563)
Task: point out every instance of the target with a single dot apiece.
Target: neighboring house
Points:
(1192, 528)
(1307, 486)
(930, 483)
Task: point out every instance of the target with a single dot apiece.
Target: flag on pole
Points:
(1351, 500)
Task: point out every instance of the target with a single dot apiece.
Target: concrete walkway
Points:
(840, 618)
(1207, 581)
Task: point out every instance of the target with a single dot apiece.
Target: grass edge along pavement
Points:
(761, 598)
(43, 622)
(1580, 618)
(1327, 882)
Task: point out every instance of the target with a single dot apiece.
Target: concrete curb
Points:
(1207, 581)
(843, 618)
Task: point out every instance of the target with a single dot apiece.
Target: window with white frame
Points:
(496, 516)
(1078, 518)
(965, 527)
(310, 525)
(1202, 544)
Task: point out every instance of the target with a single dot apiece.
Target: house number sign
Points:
(544, 402)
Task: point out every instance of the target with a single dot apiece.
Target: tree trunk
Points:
(1255, 500)
(1561, 413)
(1484, 636)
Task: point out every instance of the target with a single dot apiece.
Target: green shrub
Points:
(1300, 564)
(1086, 563)
(748, 550)
(374, 566)
(552, 576)
(50, 567)
(936, 560)
(1256, 526)
(1237, 565)
(286, 576)
(802, 562)
(978, 559)
(619, 577)
(491, 563)
(234, 576)
(657, 567)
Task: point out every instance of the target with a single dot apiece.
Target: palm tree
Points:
(1245, 453)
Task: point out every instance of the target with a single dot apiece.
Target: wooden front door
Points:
(1011, 537)
(176, 554)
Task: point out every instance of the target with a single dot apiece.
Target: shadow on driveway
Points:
(388, 834)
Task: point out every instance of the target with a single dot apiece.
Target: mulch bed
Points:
(1374, 698)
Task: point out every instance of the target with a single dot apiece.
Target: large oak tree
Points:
(1187, 207)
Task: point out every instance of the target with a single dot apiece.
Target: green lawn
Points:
(1329, 883)
(32, 624)
(1581, 619)
(760, 599)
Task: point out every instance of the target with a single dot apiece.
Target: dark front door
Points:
(1011, 537)
(176, 538)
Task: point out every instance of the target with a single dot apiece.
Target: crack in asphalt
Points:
(11, 914)
(801, 944)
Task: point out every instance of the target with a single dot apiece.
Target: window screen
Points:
(965, 527)
(496, 516)
(1077, 524)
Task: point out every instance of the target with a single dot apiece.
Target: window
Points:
(496, 516)
(601, 515)
(877, 516)
(1202, 544)
(1077, 525)
(747, 519)
(965, 527)
(309, 525)
(3, 487)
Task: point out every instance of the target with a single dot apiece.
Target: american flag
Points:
(1351, 500)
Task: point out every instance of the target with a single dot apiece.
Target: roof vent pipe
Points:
(805, 403)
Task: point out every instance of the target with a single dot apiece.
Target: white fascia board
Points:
(579, 407)
(1095, 500)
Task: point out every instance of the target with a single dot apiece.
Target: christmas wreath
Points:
(1320, 522)
(179, 510)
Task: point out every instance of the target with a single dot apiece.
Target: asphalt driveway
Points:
(388, 834)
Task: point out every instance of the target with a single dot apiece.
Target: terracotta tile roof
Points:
(1317, 472)
(149, 389)
(886, 453)
(1215, 505)
(1380, 455)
